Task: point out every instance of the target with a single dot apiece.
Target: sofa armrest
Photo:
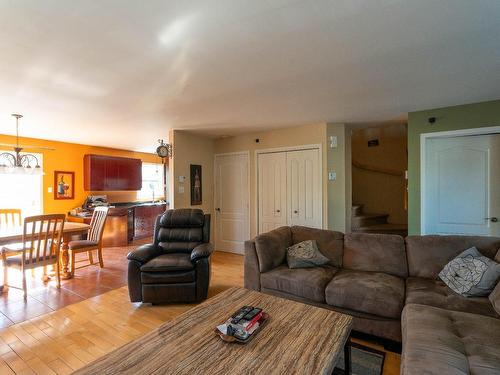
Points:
(144, 253)
(251, 267)
(201, 251)
(271, 248)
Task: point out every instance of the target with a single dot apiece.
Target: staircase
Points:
(374, 223)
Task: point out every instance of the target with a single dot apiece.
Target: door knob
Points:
(278, 211)
(492, 219)
(295, 212)
(217, 209)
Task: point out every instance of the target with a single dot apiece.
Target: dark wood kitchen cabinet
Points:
(144, 219)
(111, 173)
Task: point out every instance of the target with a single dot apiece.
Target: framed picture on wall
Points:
(64, 185)
(196, 189)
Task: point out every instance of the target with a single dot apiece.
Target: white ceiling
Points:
(120, 73)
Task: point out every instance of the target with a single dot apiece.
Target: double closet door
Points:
(289, 189)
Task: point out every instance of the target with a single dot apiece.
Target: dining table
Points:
(14, 234)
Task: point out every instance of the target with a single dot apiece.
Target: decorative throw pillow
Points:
(305, 254)
(471, 274)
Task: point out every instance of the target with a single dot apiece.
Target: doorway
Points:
(461, 183)
(232, 190)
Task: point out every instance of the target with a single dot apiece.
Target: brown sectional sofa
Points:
(390, 286)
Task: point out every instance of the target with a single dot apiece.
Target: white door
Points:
(462, 185)
(272, 191)
(231, 202)
(304, 188)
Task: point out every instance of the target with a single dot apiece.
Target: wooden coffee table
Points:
(297, 339)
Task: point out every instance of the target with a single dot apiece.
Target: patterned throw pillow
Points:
(471, 274)
(305, 254)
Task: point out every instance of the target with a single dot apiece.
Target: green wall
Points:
(448, 118)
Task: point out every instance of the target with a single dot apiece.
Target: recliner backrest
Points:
(181, 230)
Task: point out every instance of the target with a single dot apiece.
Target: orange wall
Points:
(69, 157)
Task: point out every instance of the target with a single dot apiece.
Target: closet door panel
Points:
(272, 191)
(304, 188)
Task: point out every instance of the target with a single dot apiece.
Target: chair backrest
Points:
(42, 238)
(97, 224)
(181, 230)
(10, 217)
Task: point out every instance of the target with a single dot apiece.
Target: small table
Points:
(297, 339)
(14, 234)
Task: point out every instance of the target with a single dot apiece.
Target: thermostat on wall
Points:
(182, 178)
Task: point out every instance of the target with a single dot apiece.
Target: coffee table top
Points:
(297, 339)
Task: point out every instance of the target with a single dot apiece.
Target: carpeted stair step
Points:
(357, 210)
(365, 220)
(399, 229)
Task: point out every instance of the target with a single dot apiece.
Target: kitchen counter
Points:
(127, 221)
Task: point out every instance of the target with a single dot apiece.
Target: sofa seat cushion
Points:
(169, 262)
(435, 293)
(368, 292)
(442, 342)
(307, 283)
(173, 277)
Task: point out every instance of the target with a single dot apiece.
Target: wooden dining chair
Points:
(93, 241)
(10, 217)
(40, 246)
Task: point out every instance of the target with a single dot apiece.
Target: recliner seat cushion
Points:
(443, 342)
(369, 292)
(168, 277)
(169, 262)
(435, 293)
(308, 283)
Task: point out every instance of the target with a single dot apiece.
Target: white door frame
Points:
(239, 153)
(443, 134)
(317, 146)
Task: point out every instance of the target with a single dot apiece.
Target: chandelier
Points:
(18, 162)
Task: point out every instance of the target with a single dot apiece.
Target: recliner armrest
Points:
(201, 251)
(144, 253)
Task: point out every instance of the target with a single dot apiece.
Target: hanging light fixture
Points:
(18, 162)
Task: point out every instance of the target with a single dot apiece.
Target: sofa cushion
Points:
(169, 262)
(471, 274)
(442, 342)
(308, 283)
(376, 253)
(330, 243)
(435, 293)
(427, 255)
(368, 292)
(494, 298)
(271, 248)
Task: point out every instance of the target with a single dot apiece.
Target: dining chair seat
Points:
(80, 244)
(17, 260)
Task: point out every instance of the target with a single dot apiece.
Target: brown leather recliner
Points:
(176, 266)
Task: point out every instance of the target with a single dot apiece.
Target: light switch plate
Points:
(333, 141)
(332, 176)
(182, 178)
(181, 189)
(49, 189)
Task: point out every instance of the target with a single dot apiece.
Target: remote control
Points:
(240, 314)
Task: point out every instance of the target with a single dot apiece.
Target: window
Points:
(23, 191)
(152, 182)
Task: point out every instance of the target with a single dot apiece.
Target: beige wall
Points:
(339, 191)
(381, 193)
(191, 149)
(290, 137)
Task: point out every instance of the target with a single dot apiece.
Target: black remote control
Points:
(249, 316)
(238, 315)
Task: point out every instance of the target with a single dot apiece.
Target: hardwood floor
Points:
(44, 297)
(61, 341)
